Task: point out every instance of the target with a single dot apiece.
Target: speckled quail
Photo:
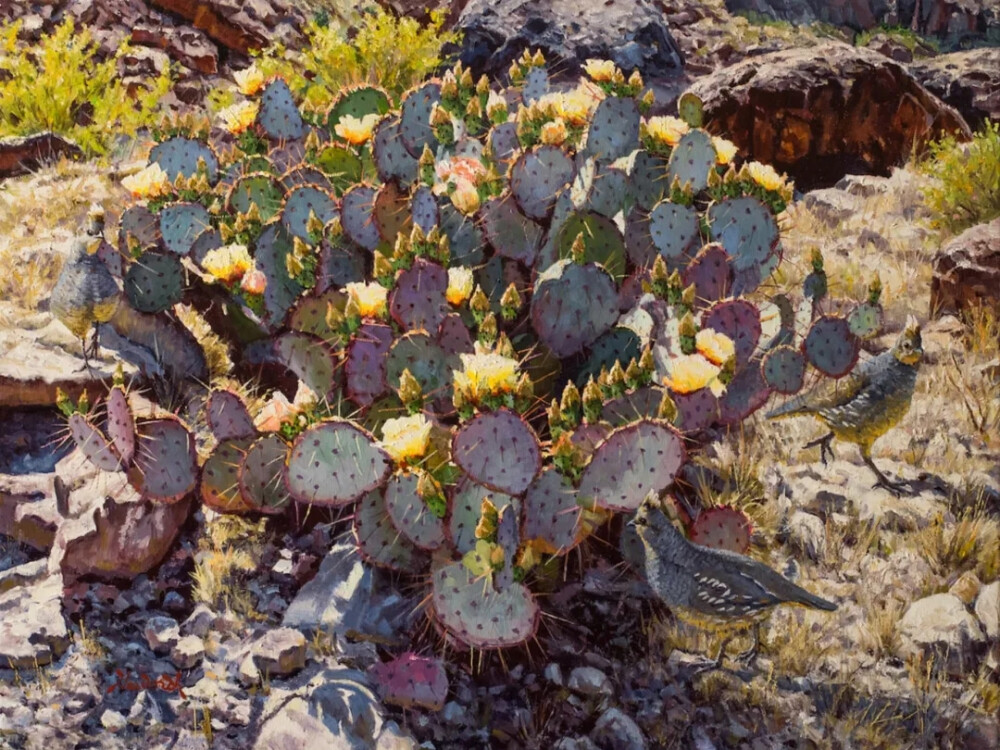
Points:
(86, 292)
(717, 590)
(864, 405)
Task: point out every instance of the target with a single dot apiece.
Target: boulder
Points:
(821, 113)
(988, 609)
(633, 33)
(238, 25)
(32, 629)
(21, 155)
(967, 271)
(28, 511)
(969, 81)
(280, 652)
(185, 44)
(940, 627)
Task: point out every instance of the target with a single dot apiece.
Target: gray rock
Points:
(589, 681)
(248, 674)
(113, 721)
(808, 533)
(32, 629)
(199, 622)
(162, 634)
(28, 511)
(188, 652)
(968, 80)
(553, 673)
(294, 728)
(574, 743)
(988, 609)
(22, 155)
(967, 271)
(280, 652)
(940, 626)
(863, 185)
(831, 205)
(616, 730)
(392, 737)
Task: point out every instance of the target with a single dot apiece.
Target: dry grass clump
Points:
(228, 553)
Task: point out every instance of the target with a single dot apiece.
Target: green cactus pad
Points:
(536, 84)
(649, 179)
(340, 263)
(499, 450)
(418, 299)
(278, 115)
(746, 230)
(478, 615)
(464, 237)
(603, 242)
(635, 460)
(603, 190)
(365, 368)
(179, 156)
(466, 510)
(392, 160)
(412, 681)
(691, 160)
(228, 418)
(154, 282)
(722, 528)
(614, 129)
(537, 178)
(304, 174)
(273, 247)
(208, 240)
(674, 232)
(415, 118)
(696, 410)
(426, 361)
(865, 320)
(691, 109)
(120, 424)
(258, 189)
(551, 513)
(310, 312)
(617, 345)
(310, 359)
(342, 167)
(641, 403)
(830, 346)
(737, 319)
(357, 102)
(92, 443)
(181, 224)
(511, 233)
(334, 463)
(139, 222)
(784, 369)
(745, 394)
(165, 466)
(356, 216)
(220, 477)
(379, 542)
(410, 514)
(711, 272)
(572, 305)
(260, 475)
(391, 212)
(303, 202)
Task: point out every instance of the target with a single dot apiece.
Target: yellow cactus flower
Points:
(460, 283)
(554, 133)
(465, 197)
(356, 130)
(485, 373)
(714, 346)
(147, 183)
(574, 107)
(724, 150)
(406, 438)
(249, 80)
(254, 281)
(667, 129)
(690, 373)
(600, 71)
(371, 299)
(765, 175)
(228, 263)
(238, 117)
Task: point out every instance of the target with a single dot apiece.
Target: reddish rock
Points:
(242, 26)
(969, 81)
(183, 43)
(20, 156)
(967, 271)
(824, 112)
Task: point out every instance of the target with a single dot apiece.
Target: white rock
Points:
(940, 626)
(988, 609)
(808, 533)
(280, 652)
(188, 652)
(162, 634)
(113, 721)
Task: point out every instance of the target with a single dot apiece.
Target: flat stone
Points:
(32, 628)
(280, 652)
(162, 634)
(188, 652)
(113, 721)
(589, 681)
(831, 205)
(199, 622)
(940, 626)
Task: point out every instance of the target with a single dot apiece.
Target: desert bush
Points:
(62, 85)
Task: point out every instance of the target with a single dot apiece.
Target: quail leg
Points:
(824, 446)
(86, 350)
(716, 663)
(896, 488)
(747, 657)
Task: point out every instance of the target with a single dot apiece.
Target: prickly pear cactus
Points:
(722, 527)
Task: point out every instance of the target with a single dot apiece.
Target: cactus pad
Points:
(426, 361)
(603, 243)
(309, 358)
(391, 212)
(649, 179)
(830, 346)
(639, 404)
(154, 282)
(273, 247)
(334, 463)
(260, 475)
(139, 222)
(865, 320)
(356, 216)
(690, 109)
(464, 237)
(499, 450)
(784, 369)
(208, 240)
(258, 189)
(614, 129)
(180, 156)
(365, 368)
(379, 542)
(551, 513)
(228, 418)
(181, 224)
(722, 528)
(466, 510)
(357, 102)
(410, 514)
(635, 460)
(278, 116)
(165, 466)
(745, 394)
(304, 174)
(412, 681)
(120, 425)
(478, 615)
(691, 160)
(696, 410)
(746, 230)
(392, 160)
(424, 210)
(220, 485)
(453, 336)
(418, 299)
(710, 272)
(537, 178)
(674, 232)
(93, 444)
(737, 319)
(301, 203)
(511, 233)
(572, 305)
(340, 263)
(536, 84)
(415, 118)
(310, 315)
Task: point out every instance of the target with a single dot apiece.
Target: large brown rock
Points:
(824, 112)
(969, 81)
(22, 155)
(967, 271)
(238, 25)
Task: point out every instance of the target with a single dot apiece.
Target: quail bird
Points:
(717, 590)
(867, 403)
(86, 292)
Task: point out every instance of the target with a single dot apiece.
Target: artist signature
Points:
(134, 683)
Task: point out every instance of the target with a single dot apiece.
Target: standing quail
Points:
(714, 589)
(867, 403)
(86, 292)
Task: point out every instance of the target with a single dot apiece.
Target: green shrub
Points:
(61, 85)
(392, 53)
(966, 188)
(917, 44)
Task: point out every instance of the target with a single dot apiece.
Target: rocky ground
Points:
(262, 635)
